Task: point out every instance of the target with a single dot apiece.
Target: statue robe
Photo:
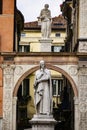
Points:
(43, 93)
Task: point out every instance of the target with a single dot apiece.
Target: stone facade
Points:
(13, 71)
(12, 75)
(82, 26)
(82, 19)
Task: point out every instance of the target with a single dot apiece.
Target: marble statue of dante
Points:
(43, 90)
(45, 18)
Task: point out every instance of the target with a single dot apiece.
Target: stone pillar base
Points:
(43, 122)
(45, 45)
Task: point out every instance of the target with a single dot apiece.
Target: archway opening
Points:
(63, 103)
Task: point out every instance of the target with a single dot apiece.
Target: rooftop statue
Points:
(45, 18)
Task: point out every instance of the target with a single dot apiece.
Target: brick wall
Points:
(7, 26)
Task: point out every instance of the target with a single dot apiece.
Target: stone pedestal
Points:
(45, 45)
(43, 122)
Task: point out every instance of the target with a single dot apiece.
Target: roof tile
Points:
(57, 22)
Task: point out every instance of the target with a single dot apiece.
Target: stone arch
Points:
(74, 87)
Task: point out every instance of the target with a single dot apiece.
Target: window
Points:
(24, 48)
(57, 85)
(57, 34)
(0, 6)
(24, 88)
(23, 34)
(56, 48)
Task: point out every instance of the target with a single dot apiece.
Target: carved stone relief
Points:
(18, 70)
(83, 12)
(83, 20)
(73, 70)
(83, 98)
(8, 81)
(83, 93)
(82, 107)
(83, 71)
(8, 69)
(83, 79)
(83, 121)
(6, 121)
(83, 46)
(7, 96)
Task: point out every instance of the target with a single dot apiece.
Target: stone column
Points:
(0, 123)
(83, 19)
(14, 112)
(83, 98)
(45, 45)
(82, 26)
(76, 111)
(8, 82)
(43, 122)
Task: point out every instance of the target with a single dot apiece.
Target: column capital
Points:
(3, 66)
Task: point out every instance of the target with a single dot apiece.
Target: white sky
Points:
(31, 8)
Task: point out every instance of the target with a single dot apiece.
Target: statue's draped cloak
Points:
(43, 92)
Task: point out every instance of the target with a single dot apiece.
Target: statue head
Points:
(46, 6)
(42, 64)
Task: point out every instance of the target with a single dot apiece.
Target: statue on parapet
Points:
(46, 20)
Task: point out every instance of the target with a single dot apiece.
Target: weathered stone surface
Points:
(43, 122)
(45, 45)
(83, 98)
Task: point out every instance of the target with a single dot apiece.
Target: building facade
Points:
(15, 66)
(31, 35)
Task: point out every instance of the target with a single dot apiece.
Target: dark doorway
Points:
(23, 98)
(64, 112)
